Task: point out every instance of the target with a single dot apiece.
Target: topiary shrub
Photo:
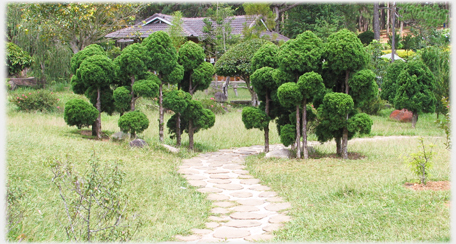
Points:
(122, 99)
(40, 100)
(133, 122)
(80, 113)
(366, 37)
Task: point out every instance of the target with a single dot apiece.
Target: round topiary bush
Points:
(133, 122)
(80, 113)
(366, 37)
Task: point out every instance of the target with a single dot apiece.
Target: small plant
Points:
(80, 113)
(40, 100)
(420, 162)
(94, 205)
(445, 123)
(214, 106)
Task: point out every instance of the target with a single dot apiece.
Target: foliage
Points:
(17, 59)
(176, 100)
(202, 76)
(79, 57)
(265, 56)
(373, 106)
(289, 95)
(93, 201)
(253, 117)
(415, 88)
(131, 63)
(191, 55)
(263, 19)
(80, 113)
(146, 88)
(311, 85)
(366, 37)
(361, 123)
(263, 82)
(96, 71)
(133, 122)
(377, 64)
(162, 53)
(201, 118)
(288, 134)
(389, 85)
(215, 107)
(175, 30)
(344, 52)
(301, 55)
(363, 87)
(420, 161)
(122, 98)
(40, 100)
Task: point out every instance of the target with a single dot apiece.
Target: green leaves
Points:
(133, 122)
(80, 113)
(289, 95)
(254, 117)
(191, 55)
(17, 59)
(162, 53)
(96, 70)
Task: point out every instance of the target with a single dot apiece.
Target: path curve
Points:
(243, 209)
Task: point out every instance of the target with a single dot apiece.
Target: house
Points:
(192, 27)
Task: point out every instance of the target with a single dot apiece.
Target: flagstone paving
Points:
(243, 210)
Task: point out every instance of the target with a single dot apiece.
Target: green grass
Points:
(333, 199)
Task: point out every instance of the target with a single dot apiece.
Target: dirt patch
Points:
(88, 135)
(430, 185)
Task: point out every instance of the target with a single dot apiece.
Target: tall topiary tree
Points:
(344, 54)
(415, 90)
(310, 85)
(177, 101)
(97, 72)
(163, 61)
(131, 65)
(237, 62)
(296, 57)
(197, 76)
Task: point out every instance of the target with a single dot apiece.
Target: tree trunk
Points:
(133, 100)
(376, 22)
(178, 131)
(252, 94)
(393, 34)
(304, 129)
(98, 121)
(388, 19)
(266, 130)
(161, 116)
(338, 146)
(225, 86)
(298, 133)
(345, 143)
(347, 74)
(414, 119)
(190, 134)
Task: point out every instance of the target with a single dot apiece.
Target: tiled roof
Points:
(192, 27)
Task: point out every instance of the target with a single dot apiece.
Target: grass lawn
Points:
(333, 199)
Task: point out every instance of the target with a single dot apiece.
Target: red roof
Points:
(192, 27)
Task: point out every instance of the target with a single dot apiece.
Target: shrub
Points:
(212, 105)
(133, 122)
(373, 106)
(17, 59)
(40, 100)
(366, 37)
(80, 113)
(420, 162)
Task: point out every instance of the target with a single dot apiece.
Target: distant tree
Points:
(176, 31)
(389, 85)
(415, 90)
(237, 62)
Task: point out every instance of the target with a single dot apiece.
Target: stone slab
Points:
(247, 216)
(224, 204)
(219, 210)
(241, 172)
(241, 194)
(262, 237)
(201, 231)
(245, 177)
(212, 225)
(267, 194)
(219, 181)
(277, 206)
(250, 202)
(188, 238)
(217, 197)
(219, 176)
(229, 186)
(250, 181)
(197, 183)
(210, 190)
(188, 171)
(230, 232)
(217, 171)
(245, 208)
(195, 177)
(219, 218)
(275, 199)
(242, 223)
(260, 188)
(272, 227)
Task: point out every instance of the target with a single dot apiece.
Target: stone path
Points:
(243, 209)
